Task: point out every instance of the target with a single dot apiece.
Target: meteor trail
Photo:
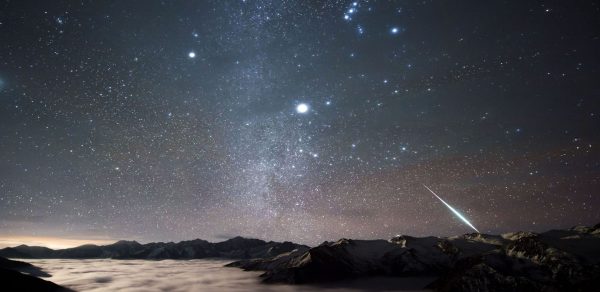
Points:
(453, 210)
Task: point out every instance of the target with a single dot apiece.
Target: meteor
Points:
(453, 210)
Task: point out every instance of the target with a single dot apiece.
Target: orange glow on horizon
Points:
(50, 242)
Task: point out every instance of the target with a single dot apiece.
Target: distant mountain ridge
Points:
(234, 248)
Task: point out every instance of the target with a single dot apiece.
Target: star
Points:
(192, 55)
(302, 108)
(360, 30)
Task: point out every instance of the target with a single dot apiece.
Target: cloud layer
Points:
(173, 275)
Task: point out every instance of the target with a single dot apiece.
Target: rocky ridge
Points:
(557, 260)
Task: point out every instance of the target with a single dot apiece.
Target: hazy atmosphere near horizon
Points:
(302, 121)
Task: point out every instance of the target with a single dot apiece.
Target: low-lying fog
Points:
(172, 275)
(144, 275)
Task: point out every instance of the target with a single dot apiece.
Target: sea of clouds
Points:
(176, 275)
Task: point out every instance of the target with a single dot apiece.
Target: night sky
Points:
(297, 120)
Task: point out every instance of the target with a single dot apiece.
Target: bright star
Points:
(394, 30)
(192, 55)
(302, 108)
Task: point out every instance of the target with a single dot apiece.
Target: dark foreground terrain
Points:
(21, 276)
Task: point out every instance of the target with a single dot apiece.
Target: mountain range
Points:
(556, 260)
(234, 248)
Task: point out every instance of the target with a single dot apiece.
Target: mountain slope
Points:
(21, 276)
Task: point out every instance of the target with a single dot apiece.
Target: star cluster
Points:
(296, 120)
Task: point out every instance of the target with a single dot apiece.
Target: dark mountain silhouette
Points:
(21, 276)
(235, 248)
(557, 260)
(25, 252)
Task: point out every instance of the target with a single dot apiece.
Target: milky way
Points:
(296, 120)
